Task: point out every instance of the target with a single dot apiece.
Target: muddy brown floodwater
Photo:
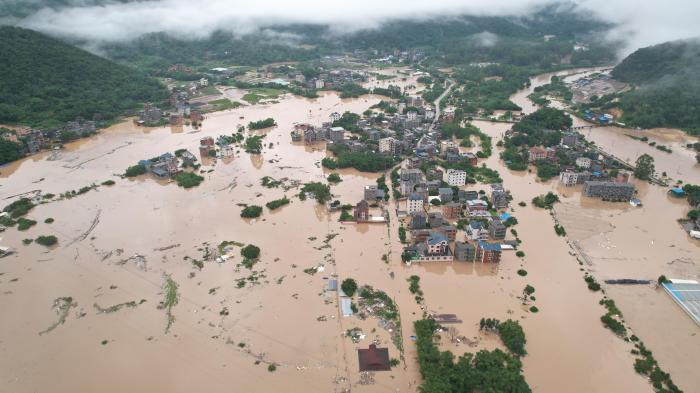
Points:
(117, 243)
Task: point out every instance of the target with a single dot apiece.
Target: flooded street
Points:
(119, 243)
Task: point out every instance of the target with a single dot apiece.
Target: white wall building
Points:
(319, 83)
(583, 162)
(388, 145)
(568, 178)
(414, 203)
(455, 177)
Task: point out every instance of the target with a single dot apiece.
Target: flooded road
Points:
(119, 243)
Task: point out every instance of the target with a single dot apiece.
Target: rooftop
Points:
(489, 246)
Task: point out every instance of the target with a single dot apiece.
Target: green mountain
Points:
(667, 81)
(45, 82)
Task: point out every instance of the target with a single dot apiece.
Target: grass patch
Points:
(23, 224)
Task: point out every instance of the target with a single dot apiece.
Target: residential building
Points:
(361, 212)
(435, 219)
(488, 252)
(477, 205)
(455, 177)
(388, 146)
(414, 203)
(227, 151)
(465, 252)
(583, 162)
(476, 231)
(569, 139)
(608, 190)
(571, 178)
(497, 230)
(373, 193)
(499, 196)
(452, 210)
(536, 153)
(446, 194)
(335, 116)
(449, 231)
(336, 134)
(319, 83)
(419, 220)
(467, 195)
(438, 244)
(412, 175)
(471, 159)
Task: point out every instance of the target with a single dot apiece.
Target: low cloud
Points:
(639, 23)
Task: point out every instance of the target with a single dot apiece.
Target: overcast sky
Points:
(640, 22)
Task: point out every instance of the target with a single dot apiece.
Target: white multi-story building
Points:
(319, 83)
(388, 145)
(414, 203)
(583, 162)
(455, 177)
(568, 178)
(411, 115)
(335, 116)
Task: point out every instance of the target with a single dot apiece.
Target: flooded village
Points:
(233, 245)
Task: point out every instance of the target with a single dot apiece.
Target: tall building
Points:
(609, 190)
(414, 203)
(388, 145)
(455, 177)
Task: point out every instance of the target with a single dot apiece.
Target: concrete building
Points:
(583, 162)
(536, 153)
(452, 210)
(319, 84)
(569, 139)
(419, 220)
(497, 230)
(608, 190)
(336, 134)
(373, 193)
(388, 145)
(568, 178)
(488, 252)
(455, 177)
(446, 194)
(414, 203)
(477, 205)
(335, 116)
(476, 231)
(499, 196)
(361, 212)
(465, 252)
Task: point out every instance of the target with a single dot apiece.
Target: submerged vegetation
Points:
(170, 300)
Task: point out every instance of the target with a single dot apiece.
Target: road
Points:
(437, 103)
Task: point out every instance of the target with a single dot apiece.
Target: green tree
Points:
(349, 286)
(644, 167)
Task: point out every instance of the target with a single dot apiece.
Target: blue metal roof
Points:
(489, 246)
(435, 238)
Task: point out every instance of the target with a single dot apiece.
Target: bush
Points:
(19, 207)
(49, 220)
(23, 224)
(135, 170)
(277, 203)
(188, 179)
(320, 191)
(108, 183)
(272, 367)
(250, 252)
(251, 211)
(47, 240)
(257, 125)
(522, 272)
(349, 286)
(534, 309)
(334, 178)
(520, 254)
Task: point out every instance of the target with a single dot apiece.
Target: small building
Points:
(451, 210)
(488, 252)
(471, 158)
(361, 212)
(467, 195)
(476, 231)
(336, 134)
(335, 116)
(388, 145)
(536, 153)
(476, 205)
(446, 194)
(374, 359)
(465, 252)
(583, 162)
(419, 220)
(372, 193)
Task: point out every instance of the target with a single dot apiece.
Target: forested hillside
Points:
(668, 87)
(45, 82)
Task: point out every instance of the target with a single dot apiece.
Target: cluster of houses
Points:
(590, 168)
(434, 236)
(34, 140)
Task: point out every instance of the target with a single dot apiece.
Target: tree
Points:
(251, 211)
(349, 286)
(250, 252)
(644, 168)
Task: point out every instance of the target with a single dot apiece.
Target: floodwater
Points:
(117, 243)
